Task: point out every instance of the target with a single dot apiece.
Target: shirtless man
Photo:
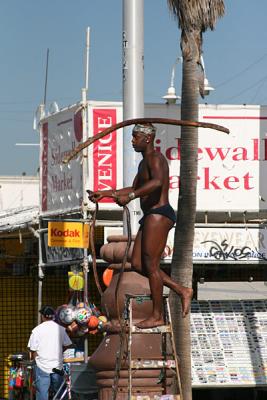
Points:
(151, 185)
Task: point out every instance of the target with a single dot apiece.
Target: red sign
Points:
(44, 165)
(105, 156)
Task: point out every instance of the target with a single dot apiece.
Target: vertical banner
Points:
(62, 185)
(44, 165)
(105, 151)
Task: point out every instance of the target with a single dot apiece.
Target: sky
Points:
(235, 56)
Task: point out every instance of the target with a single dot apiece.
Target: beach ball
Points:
(103, 319)
(93, 322)
(66, 314)
(107, 276)
(83, 315)
(80, 305)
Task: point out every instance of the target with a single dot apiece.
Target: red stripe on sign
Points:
(44, 165)
(105, 152)
(231, 117)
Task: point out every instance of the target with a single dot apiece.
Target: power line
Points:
(246, 89)
(241, 72)
(260, 87)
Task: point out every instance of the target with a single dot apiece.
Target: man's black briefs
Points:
(165, 210)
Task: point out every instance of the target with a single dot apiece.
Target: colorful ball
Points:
(93, 322)
(103, 318)
(80, 305)
(83, 315)
(66, 314)
(101, 325)
(107, 276)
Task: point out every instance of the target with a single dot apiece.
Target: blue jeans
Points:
(45, 381)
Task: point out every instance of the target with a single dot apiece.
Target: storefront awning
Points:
(18, 218)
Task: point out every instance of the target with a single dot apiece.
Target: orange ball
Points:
(80, 305)
(93, 322)
(107, 276)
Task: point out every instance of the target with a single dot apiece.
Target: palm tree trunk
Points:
(194, 18)
(182, 263)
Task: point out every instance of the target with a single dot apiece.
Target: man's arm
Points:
(127, 190)
(33, 355)
(33, 343)
(100, 194)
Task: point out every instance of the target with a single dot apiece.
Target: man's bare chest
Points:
(143, 173)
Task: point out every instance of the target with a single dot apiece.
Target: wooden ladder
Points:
(169, 359)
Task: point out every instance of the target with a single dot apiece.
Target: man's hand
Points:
(122, 200)
(95, 196)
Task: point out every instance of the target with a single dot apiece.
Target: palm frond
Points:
(199, 14)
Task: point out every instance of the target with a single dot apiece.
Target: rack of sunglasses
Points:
(20, 378)
(229, 343)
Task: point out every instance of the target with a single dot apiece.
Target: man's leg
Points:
(144, 263)
(154, 236)
(56, 382)
(42, 384)
(136, 261)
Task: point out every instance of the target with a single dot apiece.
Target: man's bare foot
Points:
(186, 295)
(150, 322)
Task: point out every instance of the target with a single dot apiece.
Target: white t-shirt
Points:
(48, 339)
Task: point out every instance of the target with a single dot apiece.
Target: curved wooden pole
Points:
(164, 121)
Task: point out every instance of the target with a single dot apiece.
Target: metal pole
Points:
(40, 275)
(85, 176)
(133, 91)
(46, 76)
(85, 217)
(87, 50)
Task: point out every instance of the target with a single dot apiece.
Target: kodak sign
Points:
(68, 234)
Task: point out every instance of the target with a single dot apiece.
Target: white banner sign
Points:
(232, 168)
(224, 244)
(61, 184)
(219, 243)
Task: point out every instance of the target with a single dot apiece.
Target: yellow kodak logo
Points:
(68, 234)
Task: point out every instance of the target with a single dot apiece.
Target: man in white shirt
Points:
(47, 343)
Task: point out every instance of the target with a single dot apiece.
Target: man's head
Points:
(143, 134)
(145, 129)
(47, 312)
